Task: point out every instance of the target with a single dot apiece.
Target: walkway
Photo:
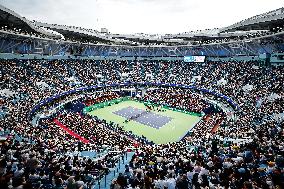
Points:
(69, 131)
(105, 182)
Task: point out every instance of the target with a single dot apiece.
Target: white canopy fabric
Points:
(273, 97)
(279, 117)
(255, 67)
(149, 75)
(7, 92)
(247, 87)
(124, 74)
(196, 78)
(222, 82)
(42, 84)
(70, 78)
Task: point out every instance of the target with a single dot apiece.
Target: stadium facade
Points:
(261, 34)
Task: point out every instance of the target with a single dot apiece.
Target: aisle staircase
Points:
(105, 181)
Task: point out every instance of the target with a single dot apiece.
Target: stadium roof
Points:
(11, 20)
(266, 20)
(254, 26)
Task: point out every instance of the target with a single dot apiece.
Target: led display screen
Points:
(194, 58)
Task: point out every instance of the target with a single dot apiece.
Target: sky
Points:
(142, 16)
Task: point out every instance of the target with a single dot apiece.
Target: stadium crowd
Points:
(180, 98)
(243, 153)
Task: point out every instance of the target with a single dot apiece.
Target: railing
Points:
(103, 180)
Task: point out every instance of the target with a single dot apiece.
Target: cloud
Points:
(142, 16)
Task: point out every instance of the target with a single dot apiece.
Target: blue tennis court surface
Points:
(141, 116)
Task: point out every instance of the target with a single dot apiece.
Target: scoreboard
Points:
(194, 59)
